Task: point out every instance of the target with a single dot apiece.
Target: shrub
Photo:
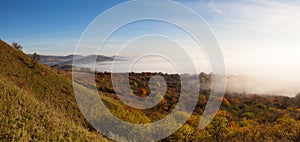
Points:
(35, 58)
(261, 106)
(248, 115)
(17, 46)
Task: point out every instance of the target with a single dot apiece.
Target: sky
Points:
(49, 26)
(257, 37)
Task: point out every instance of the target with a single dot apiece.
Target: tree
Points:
(287, 128)
(35, 58)
(297, 99)
(185, 133)
(17, 46)
(218, 127)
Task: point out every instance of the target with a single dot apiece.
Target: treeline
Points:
(241, 117)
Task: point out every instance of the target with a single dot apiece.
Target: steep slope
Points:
(36, 102)
(25, 118)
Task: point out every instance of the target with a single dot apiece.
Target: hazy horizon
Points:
(259, 39)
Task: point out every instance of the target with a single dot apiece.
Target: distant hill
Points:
(52, 60)
(36, 103)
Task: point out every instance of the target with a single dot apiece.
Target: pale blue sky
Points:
(260, 35)
(241, 26)
(54, 27)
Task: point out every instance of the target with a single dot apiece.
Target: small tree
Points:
(218, 127)
(35, 58)
(17, 46)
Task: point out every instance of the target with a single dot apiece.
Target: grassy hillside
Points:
(36, 103)
(24, 118)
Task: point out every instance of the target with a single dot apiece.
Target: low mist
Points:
(263, 85)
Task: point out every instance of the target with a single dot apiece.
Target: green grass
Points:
(25, 118)
(45, 84)
(36, 103)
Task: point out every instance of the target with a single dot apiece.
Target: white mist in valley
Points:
(267, 72)
(259, 58)
(272, 71)
(242, 76)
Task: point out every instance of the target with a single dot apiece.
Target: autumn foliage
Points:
(242, 117)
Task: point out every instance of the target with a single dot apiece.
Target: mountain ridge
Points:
(53, 60)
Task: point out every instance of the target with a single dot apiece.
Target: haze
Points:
(259, 39)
